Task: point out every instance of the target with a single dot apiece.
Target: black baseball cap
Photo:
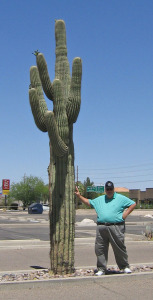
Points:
(109, 184)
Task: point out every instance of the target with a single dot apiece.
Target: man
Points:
(112, 209)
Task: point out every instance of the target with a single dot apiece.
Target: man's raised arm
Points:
(83, 199)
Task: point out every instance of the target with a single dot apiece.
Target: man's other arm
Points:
(128, 211)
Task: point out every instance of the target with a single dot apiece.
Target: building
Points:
(142, 196)
(135, 195)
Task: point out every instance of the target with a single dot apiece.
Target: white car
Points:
(45, 207)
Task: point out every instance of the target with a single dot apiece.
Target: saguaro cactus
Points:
(65, 92)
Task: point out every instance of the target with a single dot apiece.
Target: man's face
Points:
(109, 192)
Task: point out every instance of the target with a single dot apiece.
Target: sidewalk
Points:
(116, 287)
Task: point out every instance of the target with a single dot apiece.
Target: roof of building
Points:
(121, 189)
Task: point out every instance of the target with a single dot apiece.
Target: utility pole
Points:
(77, 175)
(5, 201)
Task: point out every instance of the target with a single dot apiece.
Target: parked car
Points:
(45, 207)
(35, 208)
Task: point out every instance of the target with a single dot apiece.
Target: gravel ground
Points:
(45, 274)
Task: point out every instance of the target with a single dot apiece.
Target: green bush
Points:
(144, 206)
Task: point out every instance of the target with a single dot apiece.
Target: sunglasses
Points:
(109, 189)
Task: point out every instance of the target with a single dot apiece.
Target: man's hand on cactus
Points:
(65, 92)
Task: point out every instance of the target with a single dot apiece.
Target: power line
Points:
(126, 176)
(128, 173)
(134, 181)
(117, 171)
(131, 171)
(116, 168)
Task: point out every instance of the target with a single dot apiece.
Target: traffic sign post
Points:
(91, 188)
(100, 189)
(5, 187)
(96, 189)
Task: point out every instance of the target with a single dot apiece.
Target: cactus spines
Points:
(65, 92)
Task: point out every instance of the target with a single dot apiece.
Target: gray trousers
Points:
(113, 234)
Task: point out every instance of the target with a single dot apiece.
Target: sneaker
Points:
(99, 273)
(127, 271)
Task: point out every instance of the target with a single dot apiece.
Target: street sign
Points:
(96, 189)
(91, 188)
(100, 189)
(5, 192)
(5, 186)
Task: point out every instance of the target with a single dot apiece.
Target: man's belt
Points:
(109, 224)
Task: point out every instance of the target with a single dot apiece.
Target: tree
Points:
(65, 92)
(89, 195)
(28, 190)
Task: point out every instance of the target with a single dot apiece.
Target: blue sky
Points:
(113, 135)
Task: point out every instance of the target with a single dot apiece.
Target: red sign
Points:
(6, 184)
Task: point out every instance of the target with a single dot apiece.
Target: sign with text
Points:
(5, 192)
(96, 189)
(5, 186)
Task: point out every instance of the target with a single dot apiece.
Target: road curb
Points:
(103, 278)
(76, 276)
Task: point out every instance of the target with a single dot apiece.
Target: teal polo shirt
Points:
(110, 210)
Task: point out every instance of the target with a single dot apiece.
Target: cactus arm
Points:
(60, 36)
(74, 100)
(44, 76)
(56, 122)
(72, 86)
(60, 111)
(34, 102)
(59, 147)
(37, 102)
(44, 119)
(62, 69)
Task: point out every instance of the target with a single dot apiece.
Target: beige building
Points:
(142, 196)
(149, 193)
(135, 195)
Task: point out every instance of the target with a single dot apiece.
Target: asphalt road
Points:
(20, 251)
(21, 225)
(34, 254)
